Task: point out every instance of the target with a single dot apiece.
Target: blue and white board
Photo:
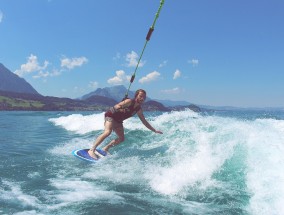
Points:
(84, 155)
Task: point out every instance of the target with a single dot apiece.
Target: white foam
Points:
(196, 162)
(32, 212)
(34, 175)
(79, 123)
(119, 170)
(198, 147)
(14, 193)
(265, 177)
(78, 190)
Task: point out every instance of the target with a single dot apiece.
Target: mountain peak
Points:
(10, 82)
(116, 92)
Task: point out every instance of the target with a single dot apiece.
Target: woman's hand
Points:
(159, 132)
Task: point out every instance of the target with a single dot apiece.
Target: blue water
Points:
(225, 162)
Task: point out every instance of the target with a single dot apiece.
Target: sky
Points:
(219, 53)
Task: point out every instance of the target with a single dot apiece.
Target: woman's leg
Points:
(120, 138)
(100, 139)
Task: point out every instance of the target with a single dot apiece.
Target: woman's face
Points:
(140, 97)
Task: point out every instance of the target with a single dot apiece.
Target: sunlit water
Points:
(217, 163)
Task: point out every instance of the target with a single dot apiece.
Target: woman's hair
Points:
(138, 91)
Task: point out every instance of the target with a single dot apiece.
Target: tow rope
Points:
(148, 37)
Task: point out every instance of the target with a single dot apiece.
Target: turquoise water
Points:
(228, 162)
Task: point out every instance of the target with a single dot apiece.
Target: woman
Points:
(114, 118)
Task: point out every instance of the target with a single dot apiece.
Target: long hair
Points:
(138, 91)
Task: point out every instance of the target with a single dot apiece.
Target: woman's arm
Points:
(146, 123)
(122, 104)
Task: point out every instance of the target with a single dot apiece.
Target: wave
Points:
(229, 161)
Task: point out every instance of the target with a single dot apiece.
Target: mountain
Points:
(101, 100)
(12, 83)
(154, 106)
(109, 95)
(116, 92)
(36, 102)
(17, 94)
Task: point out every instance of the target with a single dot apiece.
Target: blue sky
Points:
(206, 52)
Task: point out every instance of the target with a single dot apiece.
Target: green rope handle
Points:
(148, 37)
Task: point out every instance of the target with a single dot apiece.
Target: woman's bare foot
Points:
(106, 151)
(92, 154)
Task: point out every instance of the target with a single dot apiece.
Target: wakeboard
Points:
(84, 155)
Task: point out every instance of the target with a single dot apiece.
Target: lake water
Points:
(226, 162)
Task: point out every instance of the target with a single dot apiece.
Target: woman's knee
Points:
(107, 133)
(121, 139)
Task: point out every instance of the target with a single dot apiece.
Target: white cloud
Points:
(40, 71)
(93, 84)
(194, 62)
(1, 16)
(132, 59)
(32, 65)
(70, 63)
(46, 74)
(150, 77)
(177, 74)
(41, 74)
(164, 63)
(120, 78)
(175, 90)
